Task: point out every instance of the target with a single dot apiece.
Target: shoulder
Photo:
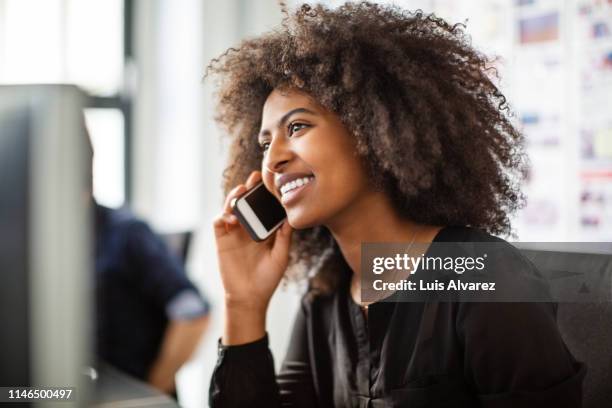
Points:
(328, 278)
(474, 241)
(315, 302)
(516, 277)
(465, 234)
(319, 302)
(121, 220)
(524, 299)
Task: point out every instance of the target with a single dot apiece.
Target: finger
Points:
(230, 195)
(220, 227)
(253, 179)
(235, 192)
(230, 219)
(224, 223)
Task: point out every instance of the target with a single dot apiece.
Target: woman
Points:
(398, 134)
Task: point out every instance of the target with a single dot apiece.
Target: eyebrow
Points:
(284, 119)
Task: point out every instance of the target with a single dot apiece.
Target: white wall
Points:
(178, 154)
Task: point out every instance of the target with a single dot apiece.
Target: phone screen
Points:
(267, 207)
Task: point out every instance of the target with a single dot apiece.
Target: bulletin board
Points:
(555, 63)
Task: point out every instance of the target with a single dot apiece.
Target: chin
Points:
(299, 220)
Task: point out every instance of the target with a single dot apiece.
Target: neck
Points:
(370, 219)
(373, 219)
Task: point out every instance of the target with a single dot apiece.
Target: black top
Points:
(139, 286)
(427, 354)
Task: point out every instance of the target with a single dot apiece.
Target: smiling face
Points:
(310, 163)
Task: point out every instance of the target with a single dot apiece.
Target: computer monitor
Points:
(45, 238)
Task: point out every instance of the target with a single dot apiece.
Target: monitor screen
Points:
(45, 243)
(14, 353)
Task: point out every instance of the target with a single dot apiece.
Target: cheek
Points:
(345, 180)
(326, 147)
(268, 178)
(339, 182)
(337, 163)
(340, 174)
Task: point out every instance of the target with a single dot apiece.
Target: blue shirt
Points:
(140, 286)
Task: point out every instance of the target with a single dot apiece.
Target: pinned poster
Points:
(539, 28)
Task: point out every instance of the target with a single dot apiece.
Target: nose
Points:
(278, 154)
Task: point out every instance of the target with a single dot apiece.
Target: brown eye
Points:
(295, 127)
(264, 146)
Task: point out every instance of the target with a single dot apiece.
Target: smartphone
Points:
(259, 212)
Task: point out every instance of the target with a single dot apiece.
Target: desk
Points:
(114, 389)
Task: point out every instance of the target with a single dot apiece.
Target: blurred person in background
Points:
(149, 316)
(372, 124)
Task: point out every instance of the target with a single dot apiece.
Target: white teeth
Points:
(294, 184)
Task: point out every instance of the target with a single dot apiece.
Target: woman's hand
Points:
(250, 270)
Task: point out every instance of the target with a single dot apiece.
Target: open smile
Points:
(295, 189)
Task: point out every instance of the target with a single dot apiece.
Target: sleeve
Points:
(187, 305)
(515, 356)
(244, 375)
(160, 274)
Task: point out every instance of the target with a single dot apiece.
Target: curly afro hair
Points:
(432, 128)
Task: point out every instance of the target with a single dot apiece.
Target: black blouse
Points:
(427, 354)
